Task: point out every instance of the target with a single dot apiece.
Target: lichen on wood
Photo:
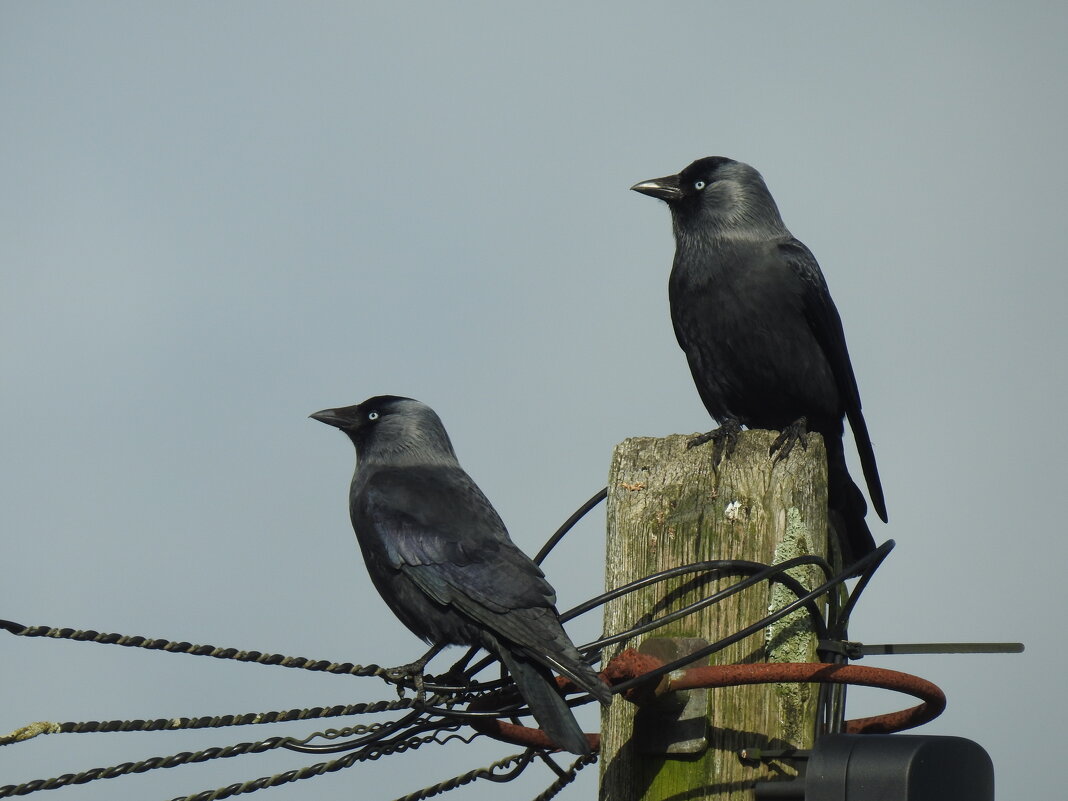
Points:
(667, 507)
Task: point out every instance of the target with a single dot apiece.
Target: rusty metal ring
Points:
(630, 664)
(932, 697)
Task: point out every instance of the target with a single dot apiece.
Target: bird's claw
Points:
(700, 439)
(794, 433)
(724, 440)
(412, 672)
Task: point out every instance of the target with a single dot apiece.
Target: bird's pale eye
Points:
(699, 185)
(372, 415)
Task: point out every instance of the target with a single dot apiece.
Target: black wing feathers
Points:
(826, 325)
(443, 532)
(444, 535)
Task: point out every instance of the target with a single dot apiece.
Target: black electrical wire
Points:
(569, 524)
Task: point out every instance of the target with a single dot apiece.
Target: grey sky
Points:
(218, 218)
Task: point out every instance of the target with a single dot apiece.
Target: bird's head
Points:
(716, 195)
(391, 428)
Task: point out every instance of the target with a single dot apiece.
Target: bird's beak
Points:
(666, 188)
(331, 417)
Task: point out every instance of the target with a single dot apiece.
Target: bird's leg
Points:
(456, 672)
(724, 440)
(788, 437)
(413, 671)
(454, 679)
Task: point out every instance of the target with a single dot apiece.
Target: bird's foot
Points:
(724, 440)
(791, 435)
(411, 673)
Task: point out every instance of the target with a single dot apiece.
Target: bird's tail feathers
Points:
(537, 634)
(538, 688)
(582, 676)
(867, 462)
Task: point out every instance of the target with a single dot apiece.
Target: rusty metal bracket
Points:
(674, 722)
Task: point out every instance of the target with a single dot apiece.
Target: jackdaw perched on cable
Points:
(440, 556)
(763, 338)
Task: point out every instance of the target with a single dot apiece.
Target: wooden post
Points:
(667, 507)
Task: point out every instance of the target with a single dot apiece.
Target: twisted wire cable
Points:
(142, 766)
(208, 722)
(569, 776)
(369, 753)
(517, 763)
(171, 646)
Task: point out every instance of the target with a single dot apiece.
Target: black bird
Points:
(762, 336)
(440, 556)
